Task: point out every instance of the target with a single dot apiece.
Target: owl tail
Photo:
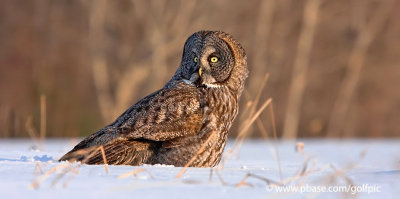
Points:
(126, 152)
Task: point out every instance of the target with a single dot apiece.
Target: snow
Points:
(372, 165)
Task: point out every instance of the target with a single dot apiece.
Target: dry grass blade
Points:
(272, 115)
(341, 173)
(306, 170)
(65, 184)
(211, 174)
(35, 184)
(103, 155)
(251, 106)
(260, 126)
(220, 177)
(64, 170)
(242, 133)
(38, 169)
(183, 170)
(134, 172)
(275, 136)
(250, 175)
(300, 147)
(303, 173)
(43, 118)
(70, 169)
(259, 92)
(243, 182)
(217, 171)
(31, 130)
(254, 117)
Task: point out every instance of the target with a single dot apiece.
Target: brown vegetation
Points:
(67, 68)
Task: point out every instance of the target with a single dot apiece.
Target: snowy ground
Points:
(369, 165)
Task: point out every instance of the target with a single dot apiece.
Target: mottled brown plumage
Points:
(195, 108)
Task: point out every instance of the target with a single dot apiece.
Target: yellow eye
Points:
(214, 59)
(195, 59)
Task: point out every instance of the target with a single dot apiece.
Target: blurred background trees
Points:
(334, 66)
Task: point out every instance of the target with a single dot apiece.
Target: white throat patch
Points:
(213, 85)
(188, 81)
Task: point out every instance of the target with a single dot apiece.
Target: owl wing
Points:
(168, 114)
(161, 119)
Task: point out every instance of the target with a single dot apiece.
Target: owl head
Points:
(213, 59)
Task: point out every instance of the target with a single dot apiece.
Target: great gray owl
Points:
(170, 126)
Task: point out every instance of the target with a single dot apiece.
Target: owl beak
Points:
(200, 71)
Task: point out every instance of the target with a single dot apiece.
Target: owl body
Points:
(193, 111)
(218, 114)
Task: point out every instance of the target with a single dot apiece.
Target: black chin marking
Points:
(198, 83)
(201, 86)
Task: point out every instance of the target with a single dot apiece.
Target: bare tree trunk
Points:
(99, 62)
(299, 76)
(355, 65)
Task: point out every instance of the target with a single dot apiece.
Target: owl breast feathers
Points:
(185, 123)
